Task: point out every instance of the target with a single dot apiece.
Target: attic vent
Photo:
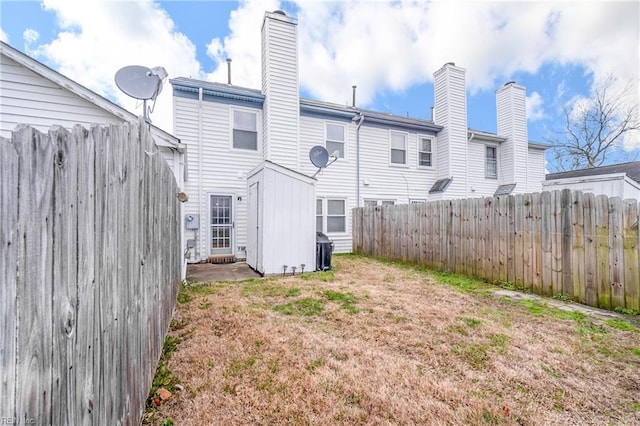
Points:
(280, 12)
(509, 82)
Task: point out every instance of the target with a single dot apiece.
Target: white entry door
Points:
(221, 224)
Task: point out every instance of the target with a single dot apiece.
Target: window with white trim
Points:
(398, 147)
(425, 152)
(245, 130)
(371, 202)
(319, 218)
(331, 215)
(491, 162)
(335, 139)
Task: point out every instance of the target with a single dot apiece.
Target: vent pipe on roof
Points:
(229, 71)
(353, 102)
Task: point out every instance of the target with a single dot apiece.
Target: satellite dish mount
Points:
(141, 83)
(320, 158)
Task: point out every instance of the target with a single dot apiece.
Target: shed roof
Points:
(631, 169)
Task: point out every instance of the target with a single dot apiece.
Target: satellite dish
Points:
(141, 83)
(138, 82)
(319, 156)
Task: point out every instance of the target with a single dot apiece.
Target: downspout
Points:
(358, 159)
(200, 210)
(466, 169)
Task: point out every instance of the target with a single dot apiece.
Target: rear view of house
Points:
(381, 158)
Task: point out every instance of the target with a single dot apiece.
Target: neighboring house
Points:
(382, 158)
(34, 94)
(617, 180)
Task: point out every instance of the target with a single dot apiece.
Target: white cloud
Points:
(99, 38)
(534, 103)
(30, 36)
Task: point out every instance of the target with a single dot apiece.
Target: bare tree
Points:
(595, 128)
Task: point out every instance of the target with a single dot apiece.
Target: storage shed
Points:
(281, 220)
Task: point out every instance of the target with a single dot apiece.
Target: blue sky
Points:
(557, 50)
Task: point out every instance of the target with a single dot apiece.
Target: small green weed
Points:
(347, 300)
(204, 304)
(499, 342)
(569, 315)
(474, 354)
(626, 311)
(471, 322)
(621, 325)
(563, 297)
(238, 366)
(307, 306)
(178, 324)
(534, 307)
(316, 363)
(635, 351)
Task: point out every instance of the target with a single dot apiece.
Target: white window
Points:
(398, 144)
(245, 130)
(371, 202)
(319, 219)
(491, 162)
(335, 139)
(331, 215)
(417, 201)
(425, 152)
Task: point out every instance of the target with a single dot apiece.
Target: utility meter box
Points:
(192, 221)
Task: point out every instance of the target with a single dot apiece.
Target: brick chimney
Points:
(280, 87)
(512, 124)
(450, 111)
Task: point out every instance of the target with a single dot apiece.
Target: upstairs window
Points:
(245, 130)
(335, 139)
(491, 162)
(398, 148)
(425, 152)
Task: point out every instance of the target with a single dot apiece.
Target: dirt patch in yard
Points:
(377, 343)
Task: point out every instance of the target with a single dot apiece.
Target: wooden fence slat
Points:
(34, 281)
(630, 246)
(536, 262)
(8, 260)
(617, 252)
(65, 254)
(603, 252)
(547, 241)
(527, 240)
(577, 248)
(590, 289)
(510, 235)
(567, 241)
(85, 331)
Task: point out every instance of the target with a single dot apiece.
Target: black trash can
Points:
(324, 248)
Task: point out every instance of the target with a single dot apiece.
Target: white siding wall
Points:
(451, 112)
(214, 167)
(535, 170)
(512, 124)
(29, 98)
(280, 86)
(479, 185)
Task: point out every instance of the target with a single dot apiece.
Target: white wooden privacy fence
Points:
(89, 272)
(552, 243)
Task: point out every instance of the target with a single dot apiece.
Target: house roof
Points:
(84, 93)
(631, 169)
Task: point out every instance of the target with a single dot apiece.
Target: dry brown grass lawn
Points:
(384, 344)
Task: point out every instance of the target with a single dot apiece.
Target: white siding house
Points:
(382, 158)
(34, 94)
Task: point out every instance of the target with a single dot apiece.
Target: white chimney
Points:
(281, 108)
(450, 111)
(512, 124)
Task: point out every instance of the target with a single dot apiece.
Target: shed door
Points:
(221, 224)
(254, 255)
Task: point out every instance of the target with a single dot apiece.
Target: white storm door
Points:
(221, 224)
